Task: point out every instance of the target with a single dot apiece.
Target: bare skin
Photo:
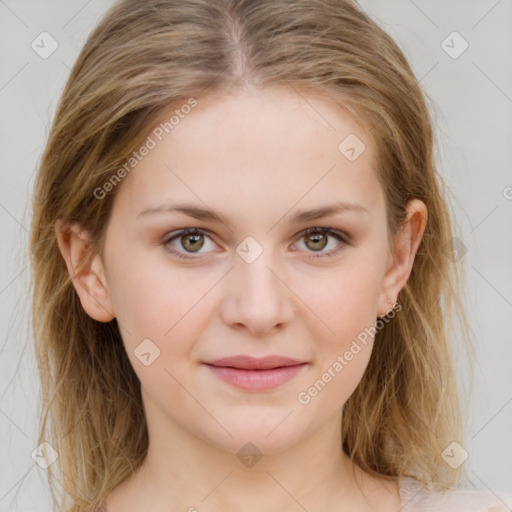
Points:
(367, 494)
(255, 157)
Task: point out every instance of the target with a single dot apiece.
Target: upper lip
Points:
(255, 363)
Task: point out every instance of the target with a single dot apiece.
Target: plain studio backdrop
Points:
(461, 52)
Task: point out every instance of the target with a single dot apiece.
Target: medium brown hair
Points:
(141, 60)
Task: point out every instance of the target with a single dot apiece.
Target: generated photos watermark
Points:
(151, 142)
(305, 397)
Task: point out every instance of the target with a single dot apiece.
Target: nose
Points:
(257, 297)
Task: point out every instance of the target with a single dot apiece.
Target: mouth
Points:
(256, 374)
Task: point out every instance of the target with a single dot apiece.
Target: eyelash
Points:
(343, 238)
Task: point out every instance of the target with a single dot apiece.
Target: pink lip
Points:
(258, 374)
(255, 363)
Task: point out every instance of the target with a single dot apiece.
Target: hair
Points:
(145, 58)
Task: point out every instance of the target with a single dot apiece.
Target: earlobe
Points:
(407, 243)
(85, 269)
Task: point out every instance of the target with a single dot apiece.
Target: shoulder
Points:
(416, 497)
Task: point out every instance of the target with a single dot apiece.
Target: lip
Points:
(255, 363)
(256, 374)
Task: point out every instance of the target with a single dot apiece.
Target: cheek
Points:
(341, 360)
(145, 290)
(146, 304)
(345, 300)
(164, 305)
(345, 305)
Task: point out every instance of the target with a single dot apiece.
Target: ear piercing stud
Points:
(394, 306)
(397, 299)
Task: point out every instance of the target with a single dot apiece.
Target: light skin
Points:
(255, 157)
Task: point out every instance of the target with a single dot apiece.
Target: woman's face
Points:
(254, 284)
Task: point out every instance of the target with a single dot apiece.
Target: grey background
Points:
(473, 107)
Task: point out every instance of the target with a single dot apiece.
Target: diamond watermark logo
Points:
(455, 249)
(249, 455)
(146, 352)
(44, 45)
(454, 45)
(454, 455)
(44, 455)
(249, 249)
(352, 147)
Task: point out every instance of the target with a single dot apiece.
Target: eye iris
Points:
(315, 239)
(196, 244)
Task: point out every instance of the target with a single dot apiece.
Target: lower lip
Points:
(256, 380)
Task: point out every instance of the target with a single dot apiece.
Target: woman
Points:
(242, 289)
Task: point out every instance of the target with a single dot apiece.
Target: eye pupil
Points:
(315, 238)
(195, 245)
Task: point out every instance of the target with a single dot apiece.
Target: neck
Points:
(182, 472)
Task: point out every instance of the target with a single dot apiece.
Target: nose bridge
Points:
(258, 297)
(258, 279)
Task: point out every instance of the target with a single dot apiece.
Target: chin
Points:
(270, 435)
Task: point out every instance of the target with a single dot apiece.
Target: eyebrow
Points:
(298, 217)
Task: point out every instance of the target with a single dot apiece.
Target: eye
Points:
(191, 239)
(316, 239)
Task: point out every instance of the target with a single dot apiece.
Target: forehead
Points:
(256, 150)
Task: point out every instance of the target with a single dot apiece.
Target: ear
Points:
(407, 242)
(86, 270)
